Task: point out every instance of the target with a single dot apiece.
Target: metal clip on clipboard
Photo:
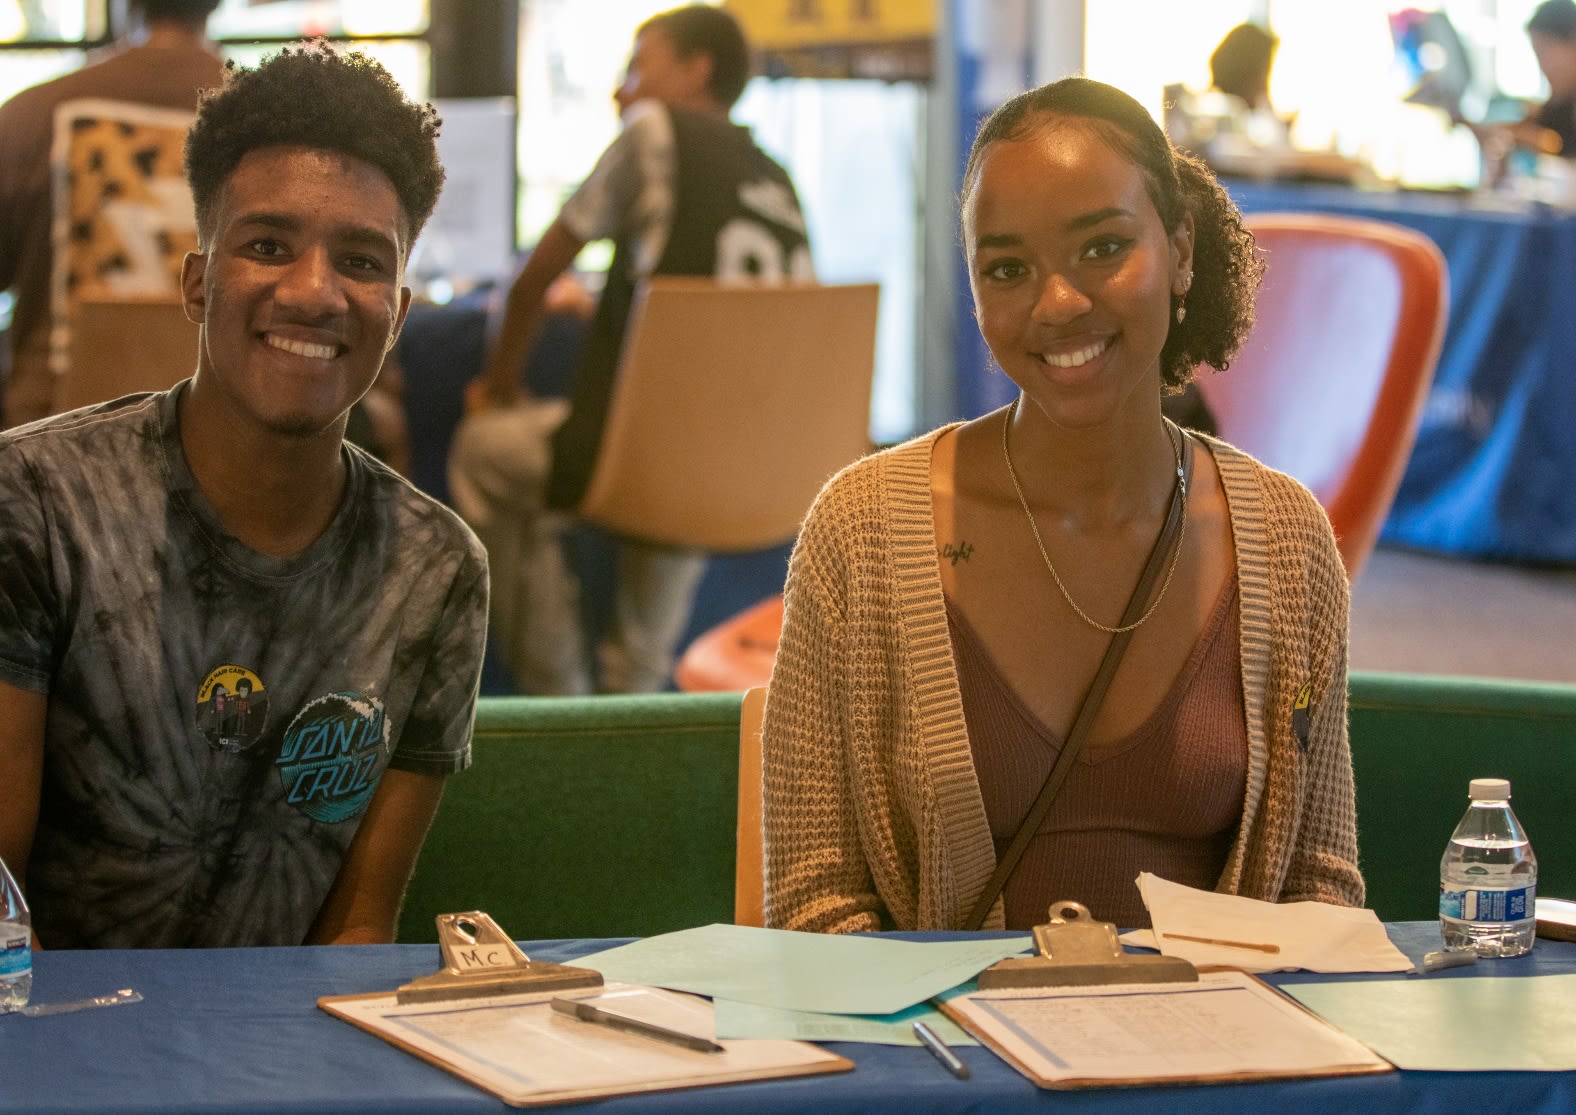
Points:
(480, 959)
(1077, 951)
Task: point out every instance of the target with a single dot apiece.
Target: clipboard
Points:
(519, 1049)
(1228, 1027)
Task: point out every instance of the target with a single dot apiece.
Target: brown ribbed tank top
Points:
(1166, 799)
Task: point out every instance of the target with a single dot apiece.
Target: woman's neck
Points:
(1106, 474)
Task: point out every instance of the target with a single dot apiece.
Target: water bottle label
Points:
(16, 957)
(1487, 905)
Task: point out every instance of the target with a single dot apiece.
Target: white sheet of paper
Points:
(518, 1046)
(1311, 936)
(802, 971)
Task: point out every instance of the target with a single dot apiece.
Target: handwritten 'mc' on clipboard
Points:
(1228, 1026)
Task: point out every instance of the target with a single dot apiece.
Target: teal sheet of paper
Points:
(751, 1020)
(822, 972)
(1462, 1024)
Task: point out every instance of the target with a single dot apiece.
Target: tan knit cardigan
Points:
(873, 815)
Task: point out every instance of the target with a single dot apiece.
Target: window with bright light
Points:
(1336, 71)
(388, 30)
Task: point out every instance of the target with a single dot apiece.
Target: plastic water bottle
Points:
(1488, 877)
(16, 944)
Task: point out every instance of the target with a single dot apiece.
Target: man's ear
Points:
(698, 67)
(194, 299)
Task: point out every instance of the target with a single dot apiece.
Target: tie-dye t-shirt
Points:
(218, 719)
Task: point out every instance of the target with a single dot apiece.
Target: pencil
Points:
(1222, 942)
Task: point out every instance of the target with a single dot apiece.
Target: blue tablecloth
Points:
(1493, 473)
(237, 1030)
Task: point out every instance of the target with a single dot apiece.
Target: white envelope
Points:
(1208, 928)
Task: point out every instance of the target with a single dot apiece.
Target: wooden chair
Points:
(1331, 383)
(734, 403)
(121, 346)
(749, 862)
(123, 223)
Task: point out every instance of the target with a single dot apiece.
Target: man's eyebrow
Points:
(356, 234)
(280, 221)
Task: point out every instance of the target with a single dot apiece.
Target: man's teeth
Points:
(304, 348)
(1074, 359)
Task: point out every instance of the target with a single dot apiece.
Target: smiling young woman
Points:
(1071, 577)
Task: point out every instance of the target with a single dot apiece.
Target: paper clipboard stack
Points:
(534, 1033)
(1082, 1013)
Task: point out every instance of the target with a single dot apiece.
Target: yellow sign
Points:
(785, 24)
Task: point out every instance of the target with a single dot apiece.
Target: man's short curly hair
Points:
(1555, 18)
(311, 96)
(192, 12)
(1226, 266)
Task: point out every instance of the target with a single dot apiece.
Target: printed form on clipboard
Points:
(522, 1050)
(1229, 1026)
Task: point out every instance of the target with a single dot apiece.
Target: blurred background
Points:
(874, 155)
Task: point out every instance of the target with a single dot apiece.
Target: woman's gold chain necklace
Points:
(1181, 492)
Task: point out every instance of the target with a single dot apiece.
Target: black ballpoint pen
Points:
(939, 1049)
(587, 1013)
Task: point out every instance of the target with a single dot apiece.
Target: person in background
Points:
(681, 191)
(1240, 65)
(1552, 30)
(948, 600)
(165, 60)
(237, 655)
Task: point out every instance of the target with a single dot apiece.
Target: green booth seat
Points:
(587, 817)
(1416, 743)
(615, 816)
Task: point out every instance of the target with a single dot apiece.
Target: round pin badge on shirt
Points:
(232, 708)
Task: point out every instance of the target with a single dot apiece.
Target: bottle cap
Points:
(1489, 789)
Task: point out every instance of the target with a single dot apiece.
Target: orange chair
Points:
(1331, 383)
(1328, 388)
(736, 654)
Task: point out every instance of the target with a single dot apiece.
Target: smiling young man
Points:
(237, 655)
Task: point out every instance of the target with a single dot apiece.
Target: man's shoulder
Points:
(119, 74)
(39, 101)
(85, 435)
(416, 519)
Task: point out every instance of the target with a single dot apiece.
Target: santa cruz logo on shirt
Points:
(329, 760)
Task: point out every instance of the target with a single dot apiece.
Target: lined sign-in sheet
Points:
(1226, 1026)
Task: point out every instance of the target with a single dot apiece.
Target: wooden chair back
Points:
(734, 403)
